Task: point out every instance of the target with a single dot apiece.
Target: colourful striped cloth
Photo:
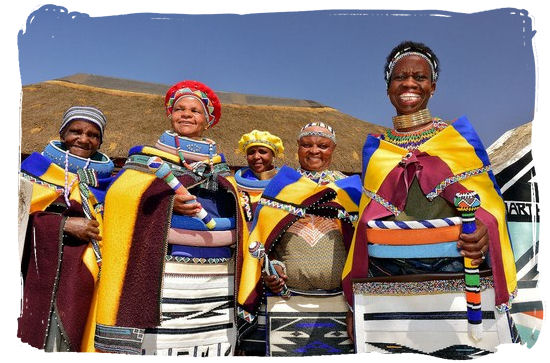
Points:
(452, 161)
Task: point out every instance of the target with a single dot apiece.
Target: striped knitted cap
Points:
(86, 113)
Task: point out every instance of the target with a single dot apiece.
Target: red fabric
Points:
(194, 85)
(53, 270)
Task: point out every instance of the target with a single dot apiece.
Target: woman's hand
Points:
(186, 209)
(274, 283)
(82, 228)
(475, 245)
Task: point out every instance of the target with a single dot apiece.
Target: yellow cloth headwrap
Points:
(261, 138)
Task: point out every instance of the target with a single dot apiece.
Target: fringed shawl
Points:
(452, 161)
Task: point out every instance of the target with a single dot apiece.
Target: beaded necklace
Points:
(413, 139)
(321, 177)
(67, 186)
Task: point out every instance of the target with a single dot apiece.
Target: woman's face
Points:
(411, 85)
(81, 138)
(259, 158)
(315, 152)
(188, 117)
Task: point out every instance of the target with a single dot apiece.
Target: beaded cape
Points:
(288, 197)
(454, 160)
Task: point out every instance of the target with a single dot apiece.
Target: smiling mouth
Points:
(409, 97)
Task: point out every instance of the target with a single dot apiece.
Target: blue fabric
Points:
(446, 249)
(186, 144)
(195, 224)
(200, 252)
(284, 177)
(99, 162)
(219, 203)
(35, 164)
(371, 145)
(352, 186)
(247, 178)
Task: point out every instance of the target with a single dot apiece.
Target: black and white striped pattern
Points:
(197, 314)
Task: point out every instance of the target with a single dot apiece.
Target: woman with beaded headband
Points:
(61, 256)
(304, 222)
(412, 173)
(172, 226)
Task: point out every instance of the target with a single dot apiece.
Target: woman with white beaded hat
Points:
(304, 223)
(61, 257)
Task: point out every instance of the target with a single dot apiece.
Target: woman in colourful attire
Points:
(304, 221)
(261, 148)
(61, 257)
(412, 173)
(166, 273)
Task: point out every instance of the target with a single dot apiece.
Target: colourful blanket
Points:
(59, 272)
(288, 197)
(138, 210)
(452, 161)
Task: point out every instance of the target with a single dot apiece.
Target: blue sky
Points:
(335, 57)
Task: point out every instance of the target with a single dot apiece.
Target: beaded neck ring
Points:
(414, 119)
(67, 186)
(413, 139)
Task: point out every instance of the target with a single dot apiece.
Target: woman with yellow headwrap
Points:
(261, 148)
(304, 222)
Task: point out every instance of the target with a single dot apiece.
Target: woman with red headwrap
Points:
(168, 276)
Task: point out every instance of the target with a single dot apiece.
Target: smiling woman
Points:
(181, 267)
(411, 175)
(62, 255)
(304, 219)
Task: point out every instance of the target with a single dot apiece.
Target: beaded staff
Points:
(467, 204)
(87, 178)
(162, 171)
(257, 250)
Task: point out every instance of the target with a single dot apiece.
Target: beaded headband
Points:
(405, 53)
(329, 135)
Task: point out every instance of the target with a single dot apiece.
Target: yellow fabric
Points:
(163, 154)
(460, 156)
(295, 193)
(119, 225)
(452, 149)
(43, 196)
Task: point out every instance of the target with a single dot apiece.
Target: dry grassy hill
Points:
(138, 118)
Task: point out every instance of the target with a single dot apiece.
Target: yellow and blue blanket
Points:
(288, 197)
(59, 272)
(454, 160)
